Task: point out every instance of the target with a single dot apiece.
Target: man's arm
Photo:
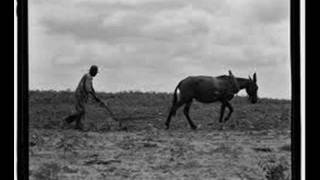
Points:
(90, 89)
(93, 93)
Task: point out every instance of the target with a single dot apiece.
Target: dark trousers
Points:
(78, 115)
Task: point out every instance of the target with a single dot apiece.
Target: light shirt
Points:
(84, 88)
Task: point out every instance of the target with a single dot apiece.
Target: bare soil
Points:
(256, 143)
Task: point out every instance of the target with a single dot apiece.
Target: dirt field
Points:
(255, 144)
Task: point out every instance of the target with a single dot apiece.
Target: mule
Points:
(207, 89)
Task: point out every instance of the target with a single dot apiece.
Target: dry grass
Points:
(257, 148)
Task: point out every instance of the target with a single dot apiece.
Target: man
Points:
(82, 93)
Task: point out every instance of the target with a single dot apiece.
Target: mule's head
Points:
(252, 89)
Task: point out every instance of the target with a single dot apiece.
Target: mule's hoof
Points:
(194, 127)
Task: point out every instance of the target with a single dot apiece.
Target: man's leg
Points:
(75, 115)
(81, 113)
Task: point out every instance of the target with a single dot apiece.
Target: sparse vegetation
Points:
(47, 108)
(274, 169)
(48, 171)
(146, 150)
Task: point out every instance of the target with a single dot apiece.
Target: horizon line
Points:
(142, 91)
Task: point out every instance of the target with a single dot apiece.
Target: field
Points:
(255, 143)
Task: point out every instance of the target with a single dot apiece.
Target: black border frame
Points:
(23, 89)
(295, 85)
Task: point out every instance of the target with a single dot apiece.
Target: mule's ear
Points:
(250, 78)
(255, 77)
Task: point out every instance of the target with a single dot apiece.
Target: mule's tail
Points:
(175, 96)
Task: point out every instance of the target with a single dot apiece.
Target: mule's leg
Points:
(223, 107)
(230, 111)
(186, 113)
(172, 112)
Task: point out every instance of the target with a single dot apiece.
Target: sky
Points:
(150, 45)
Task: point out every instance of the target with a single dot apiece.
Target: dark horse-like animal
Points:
(207, 89)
